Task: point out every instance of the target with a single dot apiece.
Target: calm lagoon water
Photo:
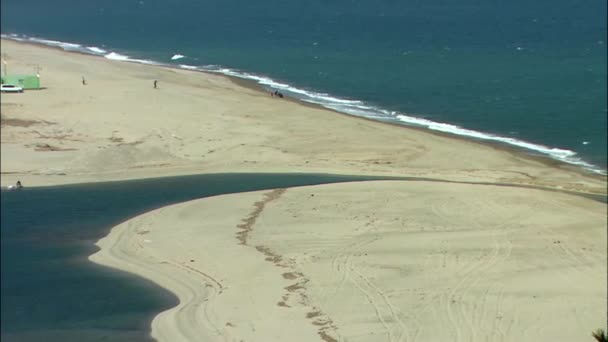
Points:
(51, 292)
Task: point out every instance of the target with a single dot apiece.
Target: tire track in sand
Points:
(474, 272)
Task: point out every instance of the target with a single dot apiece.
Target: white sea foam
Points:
(177, 56)
(348, 106)
(96, 50)
(556, 153)
(189, 67)
(307, 94)
(117, 57)
(359, 108)
(63, 45)
(93, 50)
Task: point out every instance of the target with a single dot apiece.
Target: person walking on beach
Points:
(84, 82)
(155, 81)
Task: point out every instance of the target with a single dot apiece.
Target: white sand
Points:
(373, 261)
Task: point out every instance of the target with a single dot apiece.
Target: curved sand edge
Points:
(192, 250)
(373, 261)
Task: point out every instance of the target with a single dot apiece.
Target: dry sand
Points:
(119, 127)
(375, 261)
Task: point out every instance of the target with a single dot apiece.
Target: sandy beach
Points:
(453, 258)
(119, 127)
(373, 261)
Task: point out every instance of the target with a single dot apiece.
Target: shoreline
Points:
(520, 151)
(255, 86)
(325, 279)
(285, 263)
(385, 162)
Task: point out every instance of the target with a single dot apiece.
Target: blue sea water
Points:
(526, 73)
(51, 292)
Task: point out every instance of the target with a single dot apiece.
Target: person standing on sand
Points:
(84, 82)
(155, 81)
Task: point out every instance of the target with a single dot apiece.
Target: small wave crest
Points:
(48, 42)
(177, 56)
(91, 50)
(116, 57)
(119, 57)
(96, 50)
(320, 98)
(189, 67)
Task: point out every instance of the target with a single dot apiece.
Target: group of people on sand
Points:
(276, 93)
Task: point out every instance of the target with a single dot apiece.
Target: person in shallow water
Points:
(17, 186)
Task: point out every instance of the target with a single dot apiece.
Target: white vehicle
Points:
(9, 88)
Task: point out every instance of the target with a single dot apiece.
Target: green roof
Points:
(25, 81)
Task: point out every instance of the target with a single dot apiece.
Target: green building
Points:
(24, 81)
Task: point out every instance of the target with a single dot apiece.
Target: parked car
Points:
(9, 88)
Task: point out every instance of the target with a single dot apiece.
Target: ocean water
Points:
(526, 73)
(51, 292)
